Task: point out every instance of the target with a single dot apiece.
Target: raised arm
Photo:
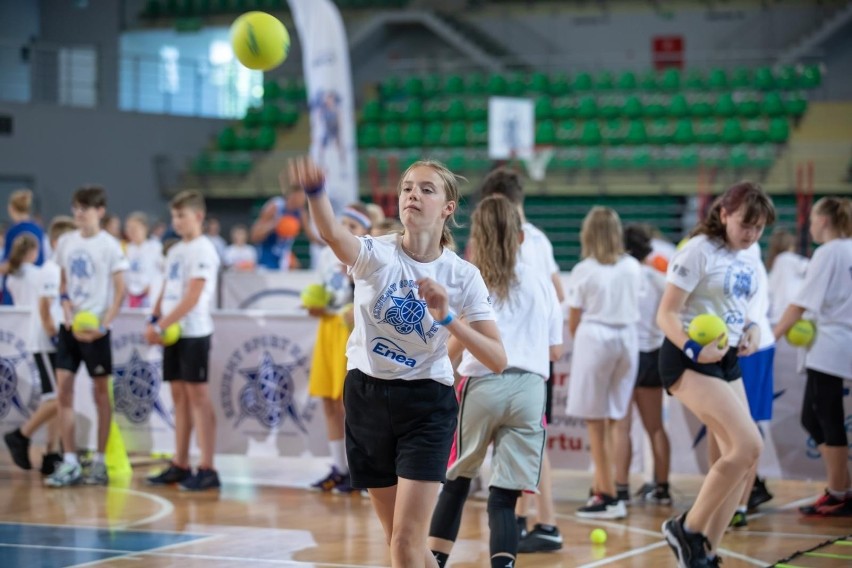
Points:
(304, 172)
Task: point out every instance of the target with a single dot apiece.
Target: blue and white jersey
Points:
(719, 281)
(89, 264)
(395, 337)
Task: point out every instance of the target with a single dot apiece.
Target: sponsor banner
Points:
(273, 290)
(20, 387)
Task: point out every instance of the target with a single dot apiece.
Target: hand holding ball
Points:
(85, 321)
(260, 41)
(802, 333)
(171, 335)
(705, 328)
(598, 536)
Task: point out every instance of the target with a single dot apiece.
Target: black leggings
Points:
(823, 416)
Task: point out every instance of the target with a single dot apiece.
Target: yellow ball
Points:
(705, 328)
(315, 296)
(597, 536)
(171, 334)
(85, 321)
(260, 41)
(802, 333)
(682, 243)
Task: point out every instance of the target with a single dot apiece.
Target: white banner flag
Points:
(328, 81)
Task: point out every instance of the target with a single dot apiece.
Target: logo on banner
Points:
(137, 380)
(263, 374)
(19, 382)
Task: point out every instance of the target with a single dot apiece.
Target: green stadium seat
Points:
(614, 132)
(559, 85)
(413, 110)
(649, 80)
(271, 91)
(688, 158)
(390, 87)
(636, 134)
(583, 82)
(252, 117)
(741, 78)
(516, 85)
(433, 110)
(434, 135)
(265, 138)
(412, 135)
(773, 105)
(779, 130)
(725, 105)
(413, 87)
(392, 135)
(796, 104)
(564, 107)
(717, 79)
(755, 131)
(372, 111)
(593, 159)
(732, 132)
(764, 80)
(369, 135)
(701, 105)
(289, 115)
(457, 162)
(477, 109)
(660, 131)
(588, 107)
(633, 107)
(545, 133)
(655, 105)
(457, 134)
(786, 78)
(432, 85)
(221, 165)
(478, 133)
(539, 83)
(456, 110)
(670, 80)
(454, 85)
(227, 140)
(270, 115)
(748, 106)
(695, 80)
(604, 81)
(246, 142)
(568, 133)
(475, 84)
(678, 107)
(497, 84)
(709, 131)
(543, 108)
(591, 133)
(611, 106)
(294, 91)
(683, 133)
(627, 81)
(810, 77)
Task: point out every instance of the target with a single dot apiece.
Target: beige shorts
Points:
(507, 411)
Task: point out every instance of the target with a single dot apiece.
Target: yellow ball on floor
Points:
(802, 333)
(704, 328)
(260, 41)
(597, 536)
(85, 321)
(171, 334)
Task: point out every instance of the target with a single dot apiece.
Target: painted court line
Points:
(166, 508)
(783, 534)
(792, 505)
(725, 552)
(623, 555)
(610, 525)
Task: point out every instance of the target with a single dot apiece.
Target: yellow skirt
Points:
(328, 365)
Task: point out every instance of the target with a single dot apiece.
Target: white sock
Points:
(99, 458)
(71, 458)
(837, 494)
(742, 509)
(338, 455)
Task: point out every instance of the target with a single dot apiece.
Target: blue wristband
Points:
(152, 319)
(64, 297)
(315, 190)
(692, 349)
(749, 325)
(446, 321)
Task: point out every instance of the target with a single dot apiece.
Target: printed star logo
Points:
(9, 387)
(80, 268)
(269, 394)
(406, 315)
(174, 271)
(137, 390)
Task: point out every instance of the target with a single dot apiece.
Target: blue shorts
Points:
(758, 379)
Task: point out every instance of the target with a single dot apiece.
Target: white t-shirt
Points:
(89, 265)
(719, 281)
(530, 321)
(334, 278)
(395, 336)
(146, 266)
(827, 293)
(785, 280)
(607, 293)
(240, 256)
(759, 307)
(189, 260)
(26, 287)
(650, 293)
(537, 251)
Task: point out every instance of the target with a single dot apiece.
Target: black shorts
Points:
(97, 355)
(548, 399)
(187, 360)
(648, 375)
(46, 363)
(673, 362)
(823, 415)
(397, 428)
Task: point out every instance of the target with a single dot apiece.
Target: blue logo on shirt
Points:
(384, 347)
(406, 315)
(81, 269)
(174, 271)
(740, 281)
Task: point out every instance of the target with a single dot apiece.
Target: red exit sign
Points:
(667, 51)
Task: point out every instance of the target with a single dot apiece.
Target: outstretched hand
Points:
(304, 172)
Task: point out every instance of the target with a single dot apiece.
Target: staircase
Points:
(473, 34)
(824, 137)
(813, 39)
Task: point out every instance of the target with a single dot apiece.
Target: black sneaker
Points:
(602, 506)
(522, 527)
(622, 493)
(201, 480)
(739, 521)
(49, 463)
(541, 540)
(689, 548)
(330, 481)
(19, 447)
(172, 474)
(759, 494)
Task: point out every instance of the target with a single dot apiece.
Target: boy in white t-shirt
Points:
(192, 265)
(240, 255)
(42, 287)
(145, 257)
(92, 280)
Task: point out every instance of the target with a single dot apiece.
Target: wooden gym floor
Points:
(256, 521)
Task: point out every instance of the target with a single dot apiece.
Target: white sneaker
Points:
(66, 475)
(602, 506)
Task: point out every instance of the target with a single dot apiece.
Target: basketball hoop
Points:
(536, 161)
